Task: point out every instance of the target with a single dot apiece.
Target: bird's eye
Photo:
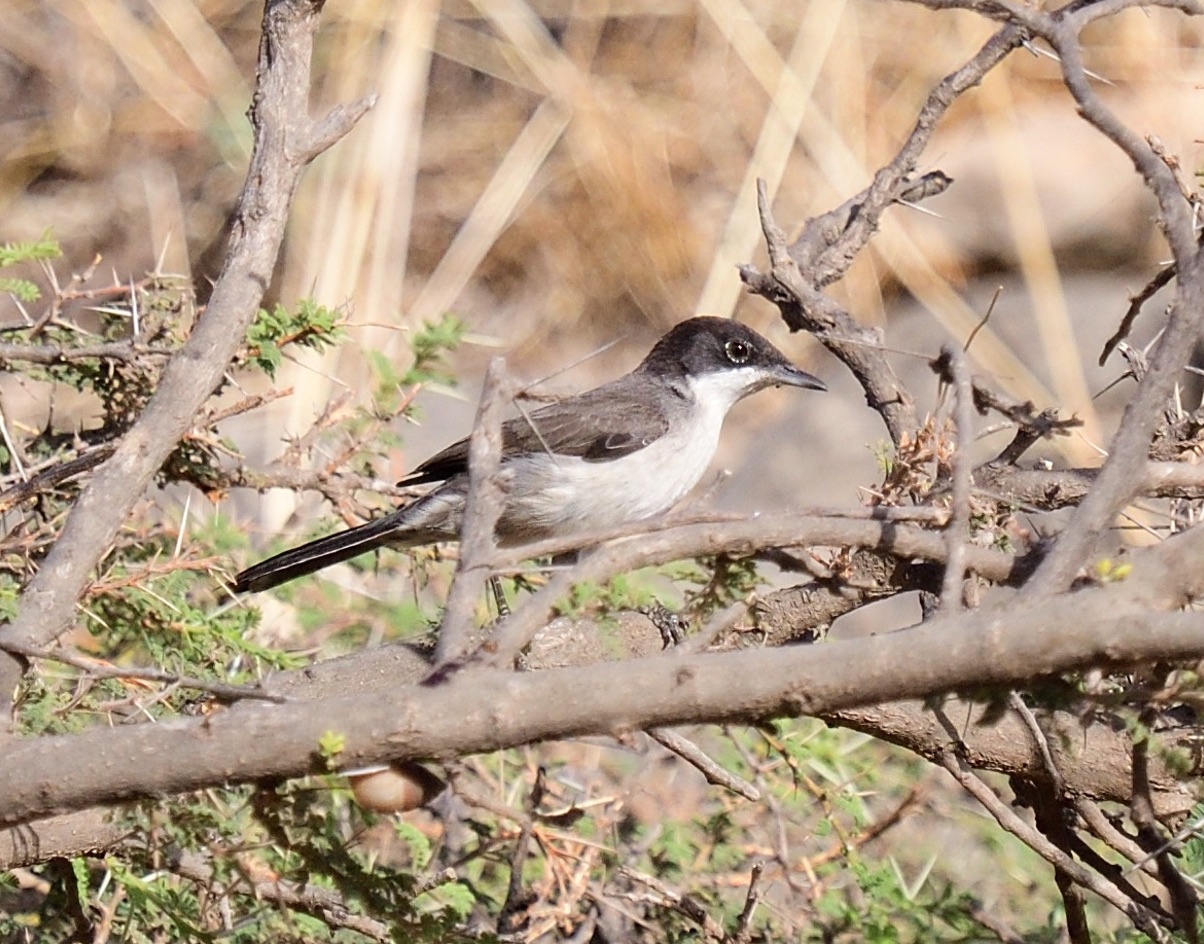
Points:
(737, 351)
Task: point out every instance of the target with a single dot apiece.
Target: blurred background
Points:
(561, 175)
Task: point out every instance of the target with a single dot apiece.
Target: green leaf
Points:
(419, 845)
(330, 745)
(23, 289)
(309, 325)
(430, 344)
(30, 251)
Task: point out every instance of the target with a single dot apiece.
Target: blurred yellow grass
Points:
(560, 174)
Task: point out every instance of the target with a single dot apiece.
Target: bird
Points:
(620, 453)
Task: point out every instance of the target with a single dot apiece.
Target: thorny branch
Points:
(1108, 627)
(830, 242)
(797, 276)
(96, 669)
(286, 140)
(323, 903)
(48, 354)
(1151, 288)
(1118, 479)
(715, 774)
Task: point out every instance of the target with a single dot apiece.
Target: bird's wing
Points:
(595, 426)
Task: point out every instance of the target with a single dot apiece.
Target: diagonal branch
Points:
(1144, 916)
(1119, 479)
(830, 242)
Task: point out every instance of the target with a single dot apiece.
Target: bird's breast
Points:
(556, 494)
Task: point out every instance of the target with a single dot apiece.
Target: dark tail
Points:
(329, 550)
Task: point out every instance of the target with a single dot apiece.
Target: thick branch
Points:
(484, 710)
(1092, 758)
(75, 834)
(1051, 489)
(742, 536)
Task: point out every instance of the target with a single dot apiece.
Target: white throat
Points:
(565, 494)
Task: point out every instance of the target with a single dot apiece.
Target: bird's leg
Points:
(671, 625)
(499, 598)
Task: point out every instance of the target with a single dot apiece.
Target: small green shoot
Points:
(331, 745)
(309, 324)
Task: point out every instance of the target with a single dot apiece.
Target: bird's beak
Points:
(792, 376)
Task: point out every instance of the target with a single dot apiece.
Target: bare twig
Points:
(1057, 786)
(957, 531)
(508, 917)
(743, 931)
(688, 751)
(459, 782)
(830, 242)
(47, 479)
(322, 903)
(47, 354)
(1183, 898)
(95, 668)
(1136, 301)
(482, 508)
(805, 307)
(1109, 834)
(1145, 918)
(678, 901)
(998, 927)
(716, 626)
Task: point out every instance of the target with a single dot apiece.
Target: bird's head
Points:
(720, 355)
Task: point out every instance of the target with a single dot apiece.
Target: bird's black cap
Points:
(707, 344)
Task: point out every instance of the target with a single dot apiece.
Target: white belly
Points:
(563, 494)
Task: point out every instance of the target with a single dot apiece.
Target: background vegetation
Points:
(548, 182)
